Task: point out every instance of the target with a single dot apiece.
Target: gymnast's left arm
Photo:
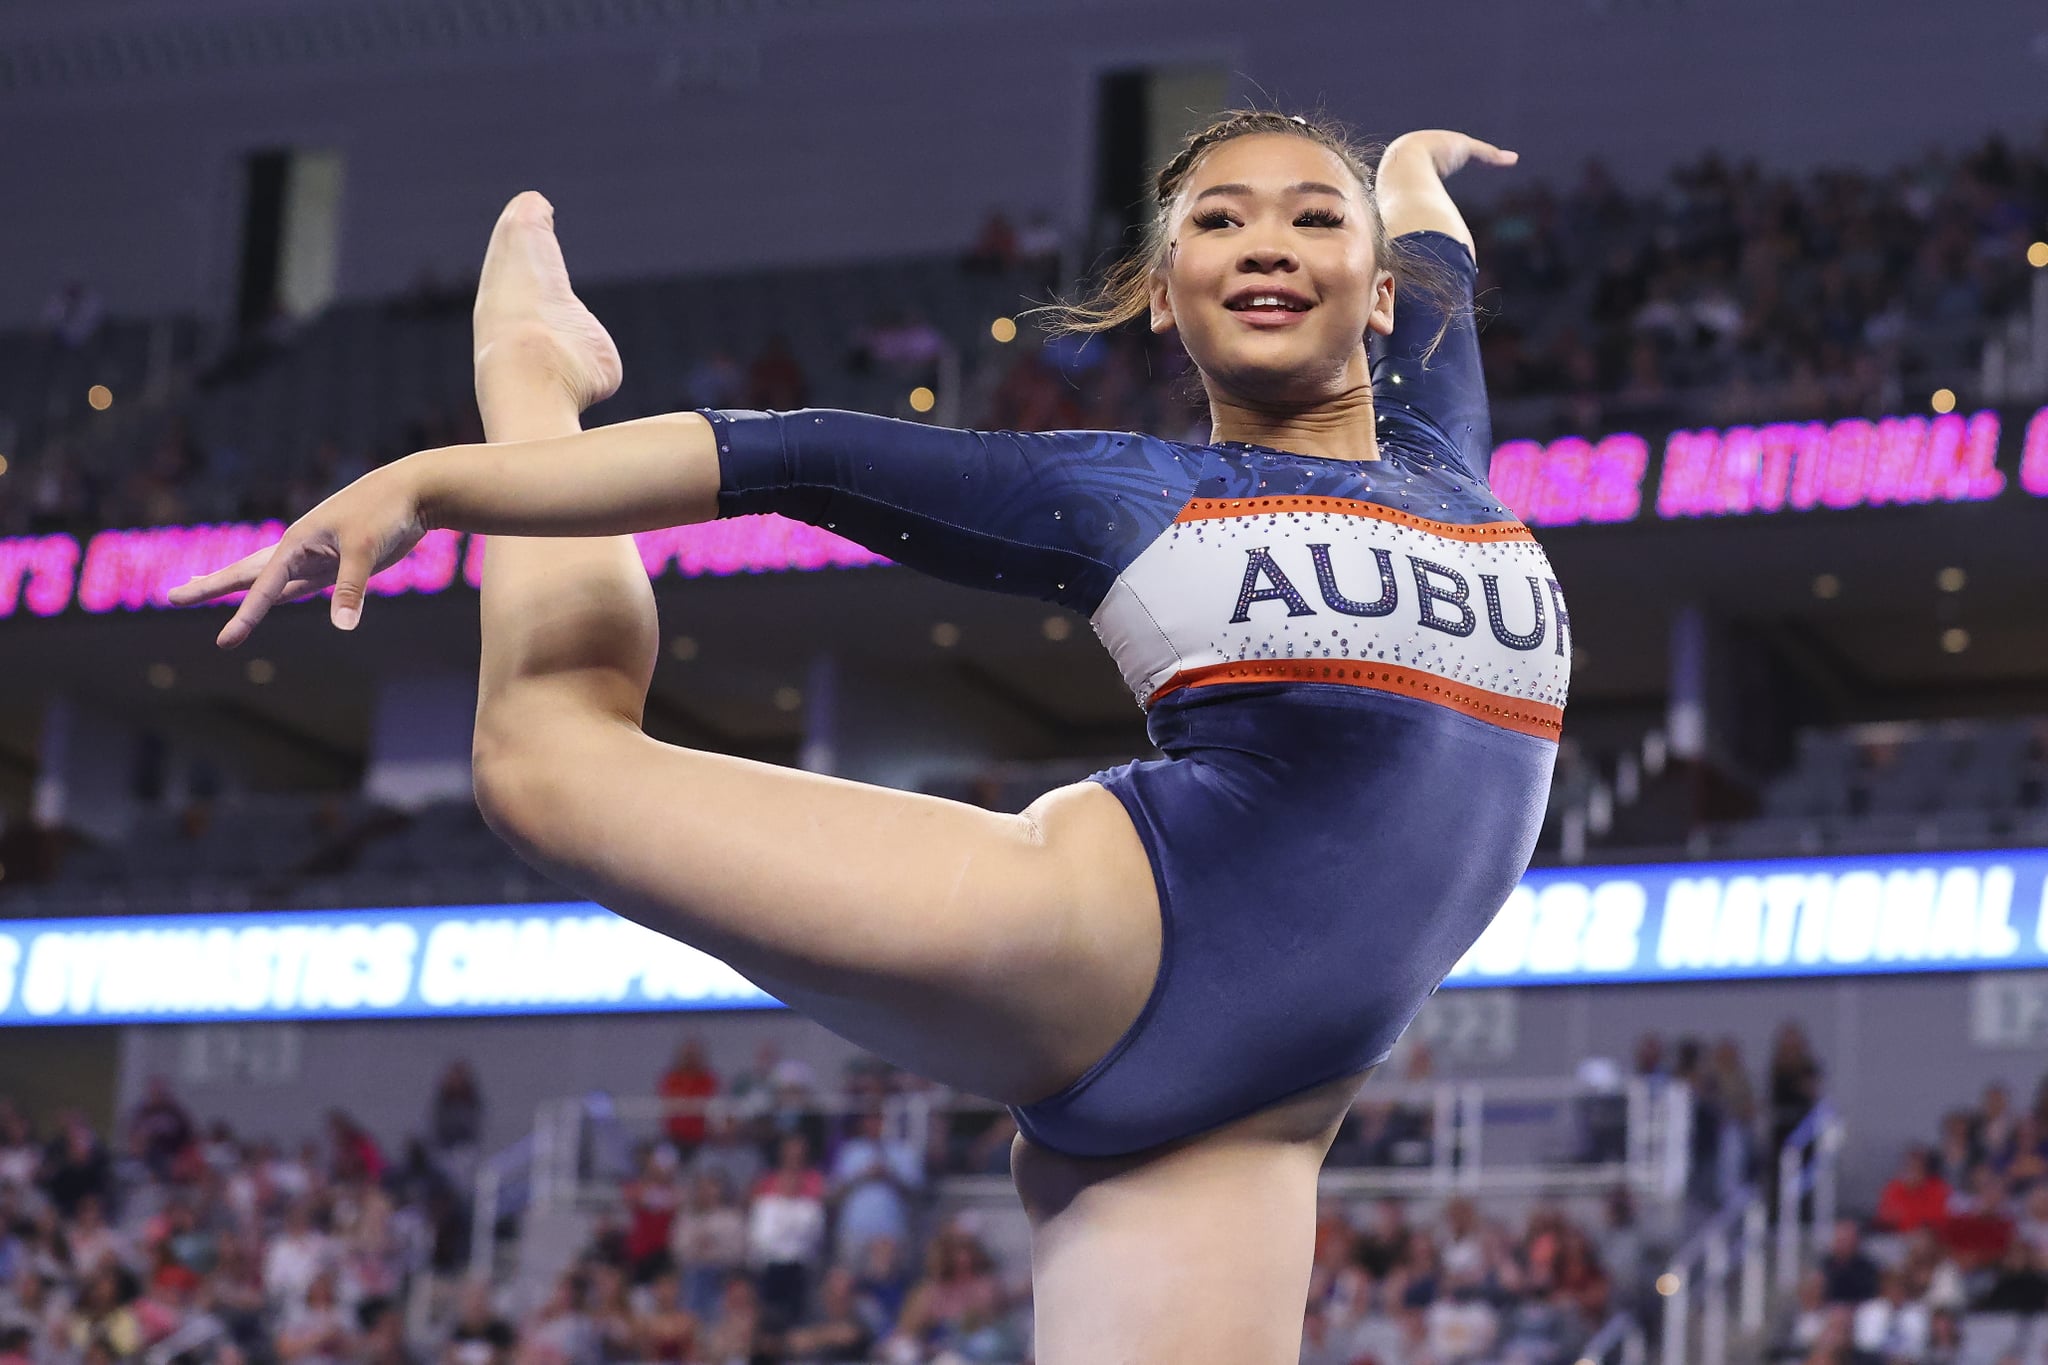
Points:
(1025, 513)
(1429, 365)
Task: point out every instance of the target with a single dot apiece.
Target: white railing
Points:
(1800, 1175)
(1618, 1342)
(1497, 1136)
(1722, 1275)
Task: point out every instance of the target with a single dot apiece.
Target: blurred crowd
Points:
(1459, 1288)
(756, 1216)
(1952, 1267)
(1723, 294)
(169, 1241)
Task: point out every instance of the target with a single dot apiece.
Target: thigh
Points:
(1002, 954)
(1194, 1253)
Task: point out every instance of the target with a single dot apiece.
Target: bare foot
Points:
(525, 307)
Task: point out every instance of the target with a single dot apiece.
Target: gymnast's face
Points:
(1270, 275)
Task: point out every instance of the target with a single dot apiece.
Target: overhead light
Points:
(1955, 640)
(3, 464)
(262, 672)
(1943, 400)
(683, 648)
(1667, 1284)
(100, 396)
(161, 676)
(945, 635)
(2037, 255)
(788, 699)
(1057, 627)
(922, 399)
(1827, 587)
(1003, 329)
(1951, 579)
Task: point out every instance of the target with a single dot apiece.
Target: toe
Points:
(531, 206)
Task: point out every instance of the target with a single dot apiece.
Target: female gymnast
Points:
(1178, 972)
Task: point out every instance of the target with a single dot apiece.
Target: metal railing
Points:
(1724, 1272)
(1801, 1175)
(1619, 1341)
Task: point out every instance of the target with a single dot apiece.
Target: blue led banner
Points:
(1929, 912)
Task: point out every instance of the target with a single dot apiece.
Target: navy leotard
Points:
(1356, 672)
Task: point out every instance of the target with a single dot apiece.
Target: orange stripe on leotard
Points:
(1209, 509)
(1511, 713)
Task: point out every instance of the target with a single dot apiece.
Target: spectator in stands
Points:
(874, 1177)
(835, 1331)
(1957, 1154)
(792, 1109)
(560, 1331)
(1915, 1197)
(479, 1336)
(103, 1314)
(959, 1303)
(19, 1155)
(1891, 1326)
(317, 1330)
(1932, 1277)
(94, 1245)
(708, 1241)
(728, 1152)
(1848, 1272)
(1994, 1128)
(687, 1084)
(1806, 1319)
(775, 380)
(736, 1332)
(356, 1155)
(455, 1119)
(1385, 1244)
(1734, 1098)
(1944, 1338)
(297, 1255)
(882, 1284)
(160, 1127)
(667, 1330)
(652, 1199)
(611, 1314)
(77, 1167)
(1462, 1325)
(2019, 1284)
(786, 1231)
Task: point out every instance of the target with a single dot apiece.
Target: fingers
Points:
(263, 594)
(1490, 154)
(234, 578)
(358, 561)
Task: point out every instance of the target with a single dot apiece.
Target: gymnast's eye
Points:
(1323, 218)
(1213, 218)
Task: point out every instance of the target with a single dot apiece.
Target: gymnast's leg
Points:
(1001, 954)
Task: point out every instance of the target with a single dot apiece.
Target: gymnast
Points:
(1176, 973)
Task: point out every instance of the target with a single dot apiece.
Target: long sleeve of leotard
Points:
(1053, 515)
(1447, 390)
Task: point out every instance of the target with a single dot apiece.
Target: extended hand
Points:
(366, 527)
(1446, 152)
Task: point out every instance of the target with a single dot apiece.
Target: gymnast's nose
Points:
(1268, 259)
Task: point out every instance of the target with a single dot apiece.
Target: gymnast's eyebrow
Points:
(1301, 187)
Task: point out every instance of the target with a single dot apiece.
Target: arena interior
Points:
(301, 1064)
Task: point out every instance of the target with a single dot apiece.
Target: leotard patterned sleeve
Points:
(1440, 399)
(1054, 515)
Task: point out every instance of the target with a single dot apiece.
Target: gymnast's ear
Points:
(1162, 304)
